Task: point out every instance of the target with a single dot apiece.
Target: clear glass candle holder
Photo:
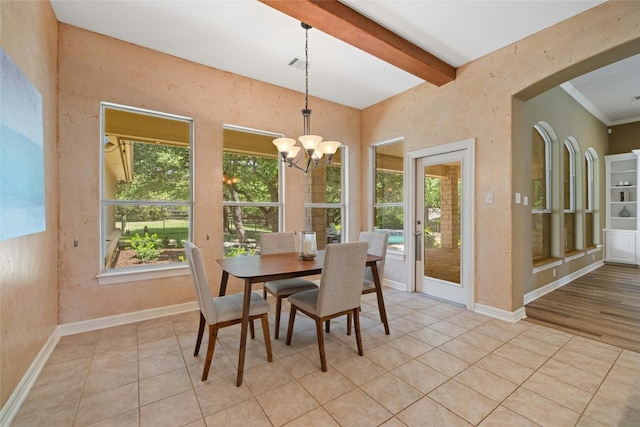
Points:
(307, 248)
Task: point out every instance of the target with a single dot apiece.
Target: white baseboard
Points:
(509, 316)
(537, 293)
(123, 319)
(10, 409)
(395, 285)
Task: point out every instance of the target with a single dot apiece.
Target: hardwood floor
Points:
(603, 305)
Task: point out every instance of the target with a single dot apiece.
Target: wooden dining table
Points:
(262, 268)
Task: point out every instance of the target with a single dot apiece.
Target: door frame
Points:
(467, 222)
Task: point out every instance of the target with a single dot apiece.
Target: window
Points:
(569, 191)
(324, 200)
(146, 186)
(590, 158)
(252, 202)
(541, 194)
(388, 197)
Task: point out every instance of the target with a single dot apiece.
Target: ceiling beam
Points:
(344, 23)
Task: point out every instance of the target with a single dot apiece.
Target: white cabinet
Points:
(623, 190)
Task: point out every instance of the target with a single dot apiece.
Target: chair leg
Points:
(327, 326)
(292, 317)
(356, 325)
(349, 324)
(200, 333)
(264, 293)
(213, 336)
(323, 359)
(267, 337)
(252, 329)
(278, 310)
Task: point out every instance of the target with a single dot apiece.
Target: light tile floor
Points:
(441, 366)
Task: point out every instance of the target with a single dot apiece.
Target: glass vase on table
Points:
(307, 248)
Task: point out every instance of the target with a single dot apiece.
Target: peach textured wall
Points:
(95, 68)
(478, 104)
(28, 265)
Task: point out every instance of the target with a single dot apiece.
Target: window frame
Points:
(280, 204)
(344, 173)
(372, 191)
(547, 210)
(145, 272)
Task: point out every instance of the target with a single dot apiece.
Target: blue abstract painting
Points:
(22, 196)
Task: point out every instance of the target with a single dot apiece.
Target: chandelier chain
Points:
(306, 69)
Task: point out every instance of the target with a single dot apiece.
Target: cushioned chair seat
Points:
(287, 287)
(306, 300)
(230, 307)
(279, 243)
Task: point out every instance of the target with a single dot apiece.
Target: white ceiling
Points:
(248, 38)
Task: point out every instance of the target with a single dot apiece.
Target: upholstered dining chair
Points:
(339, 292)
(280, 243)
(377, 246)
(221, 311)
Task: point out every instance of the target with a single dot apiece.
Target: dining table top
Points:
(276, 266)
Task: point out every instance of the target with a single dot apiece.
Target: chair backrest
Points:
(277, 243)
(201, 283)
(342, 276)
(377, 246)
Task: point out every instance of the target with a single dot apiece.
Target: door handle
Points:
(418, 246)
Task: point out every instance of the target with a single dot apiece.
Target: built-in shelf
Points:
(622, 233)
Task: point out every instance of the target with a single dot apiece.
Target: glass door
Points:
(441, 215)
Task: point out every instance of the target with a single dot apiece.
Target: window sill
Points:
(136, 274)
(545, 264)
(570, 256)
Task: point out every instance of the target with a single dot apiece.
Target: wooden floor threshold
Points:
(603, 305)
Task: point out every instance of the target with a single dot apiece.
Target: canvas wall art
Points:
(22, 195)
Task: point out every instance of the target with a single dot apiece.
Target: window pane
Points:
(146, 187)
(569, 232)
(324, 185)
(145, 234)
(389, 173)
(541, 235)
(391, 220)
(326, 222)
(567, 179)
(588, 219)
(538, 171)
(249, 178)
(160, 172)
(389, 187)
(242, 226)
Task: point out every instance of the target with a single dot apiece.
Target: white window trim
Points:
(372, 191)
(281, 176)
(158, 271)
(548, 170)
(344, 195)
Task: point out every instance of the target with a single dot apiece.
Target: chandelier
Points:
(314, 147)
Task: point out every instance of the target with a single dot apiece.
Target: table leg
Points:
(223, 284)
(383, 312)
(243, 331)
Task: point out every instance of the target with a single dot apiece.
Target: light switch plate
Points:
(517, 198)
(525, 200)
(488, 198)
